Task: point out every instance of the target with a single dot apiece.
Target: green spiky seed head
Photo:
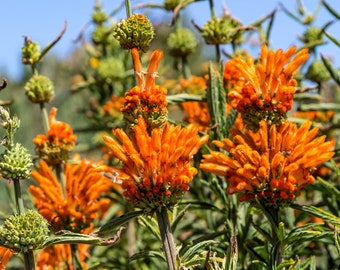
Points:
(134, 32)
(317, 72)
(312, 34)
(25, 232)
(182, 42)
(221, 31)
(16, 163)
(30, 52)
(102, 35)
(39, 89)
(110, 69)
(99, 16)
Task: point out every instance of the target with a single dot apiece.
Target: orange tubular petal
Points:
(151, 74)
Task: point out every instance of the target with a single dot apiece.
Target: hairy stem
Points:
(169, 248)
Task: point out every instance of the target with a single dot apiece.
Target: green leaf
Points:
(331, 188)
(332, 70)
(192, 251)
(178, 98)
(179, 218)
(151, 225)
(78, 238)
(284, 264)
(113, 224)
(146, 255)
(333, 39)
(320, 106)
(312, 210)
(331, 10)
(232, 254)
(337, 240)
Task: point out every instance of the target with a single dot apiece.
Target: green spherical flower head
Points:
(312, 34)
(30, 52)
(25, 232)
(221, 31)
(182, 42)
(16, 163)
(102, 35)
(99, 16)
(110, 69)
(39, 89)
(317, 72)
(134, 32)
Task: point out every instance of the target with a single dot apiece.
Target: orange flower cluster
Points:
(76, 207)
(195, 85)
(5, 255)
(273, 163)
(147, 99)
(268, 88)
(55, 147)
(59, 257)
(156, 169)
(112, 107)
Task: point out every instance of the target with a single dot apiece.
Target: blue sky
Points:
(42, 21)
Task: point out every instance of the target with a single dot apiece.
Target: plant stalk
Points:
(169, 248)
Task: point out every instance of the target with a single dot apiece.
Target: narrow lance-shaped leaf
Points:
(332, 70)
(110, 227)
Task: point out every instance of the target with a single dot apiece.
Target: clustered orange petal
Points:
(82, 202)
(194, 85)
(268, 87)
(5, 255)
(59, 257)
(58, 143)
(146, 99)
(156, 169)
(197, 113)
(273, 163)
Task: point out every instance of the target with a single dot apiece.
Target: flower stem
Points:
(169, 248)
(19, 202)
(44, 117)
(128, 8)
(29, 260)
(75, 258)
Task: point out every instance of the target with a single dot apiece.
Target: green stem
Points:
(185, 68)
(61, 177)
(75, 258)
(44, 117)
(169, 248)
(29, 260)
(19, 202)
(128, 8)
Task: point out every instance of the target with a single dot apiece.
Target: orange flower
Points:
(269, 87)
(81, 204)
(274, 163)
(156, 168)
(5, 255)
(59, 257)
(197, 113)
(147, 99)
(195, 85)
(112, 107)
(55, 147)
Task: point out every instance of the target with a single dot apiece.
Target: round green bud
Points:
(25, 232)
(39, 89)
(221, 31)
(102, 35)
(16, 163)
(99, 16)
(317, 72)
(30, 52)
(182, 42)
(134, 32)
(312, 34)
(110, 69)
